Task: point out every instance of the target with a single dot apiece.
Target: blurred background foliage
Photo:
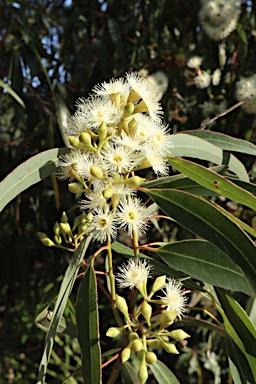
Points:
(51, 53)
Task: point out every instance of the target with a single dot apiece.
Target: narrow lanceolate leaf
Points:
(205, 262)
(61, 302)
(29, 173)
(195, 147)
(214, 182)
(128, 374)
(12, 93)
(205, 220)
(241, 331)
(163, 374)
(87, 327)
(225, 142)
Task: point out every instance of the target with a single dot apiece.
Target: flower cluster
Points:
(202, 79)
(219, 17)
(246, 90)
(147, 326)
(114, 133)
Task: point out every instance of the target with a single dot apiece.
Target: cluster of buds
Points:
(68, 236)
(147, 326)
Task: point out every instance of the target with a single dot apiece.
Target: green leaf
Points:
(64, 292)
(213, 181)
(225, 142)
(163, 374)
(240, 329)
(28, 173)
(12, 93)
(159, 268)
(204, 261)
(191, 146)
(128, 374)
(205, 220)
(87, 327)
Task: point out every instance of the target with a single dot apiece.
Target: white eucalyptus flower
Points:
(174, 298)
(117, 159)
(203, 80)
(133, 273)
(103, 224)
(194, 62)
(131, 215)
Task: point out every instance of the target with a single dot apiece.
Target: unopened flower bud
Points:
(137, 345)
(168, 317)
(102, 131)
(143, 372)
(133, 336)
(108, 193)
(64, 218)
(89, 217)
(65, 228)
(128, 109)
(122, 306)
(57, 239)
(86, 139)
(146, 311)
(74, 188)
(158, 284)
(132, 127)
(170, 348)
(82, 228)
(151, 357)
(56, 228)
(178, 335)
(125, 355)
(113, 332)
(154, 343)
(97, 172)
(45, 240)
(75, 142)
(134, 181)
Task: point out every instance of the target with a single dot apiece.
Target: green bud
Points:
(125, 355)
(133, 336)
(146, 311)
(65, 228)
(137, 345)
(108, 193)
(128, 109)
(154, 343)
(89, 217)
(102, 131)
(134, 181)
(143, 372)
(96, 172)
(57, 239)
(76, 222)
(122, 306)
(64, 218)
(168, 317)
(82, 228)
(75, 142)
(132, 127)
(158, 284)
(170, 348)
(74, 188)
(178, 335)
(56, 228)
(45, 240)
(151, 357)
(113, 332)
(86, 139)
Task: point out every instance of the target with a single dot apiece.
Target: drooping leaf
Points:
(163, 374)
(64, 292)
(205, 220)
(213, 181)
(87, 327)
(43, 320)
(225, 142)
(12, 93)
(129, 374)
(29, 173)
(191, 146)
(240, 329)
(204, 261)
